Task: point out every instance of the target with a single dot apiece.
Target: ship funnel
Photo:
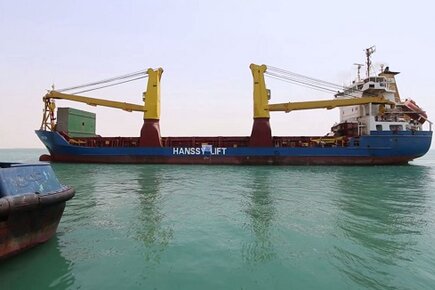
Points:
(391, 81)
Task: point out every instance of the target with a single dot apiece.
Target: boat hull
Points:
(26, 221)
(32, 202)
(297, 160)
(376, 149)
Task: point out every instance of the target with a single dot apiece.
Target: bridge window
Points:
(396, 127)
(378, 127)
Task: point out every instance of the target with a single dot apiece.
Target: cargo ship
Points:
(376, 127)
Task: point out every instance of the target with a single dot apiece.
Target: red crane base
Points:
(261, 135)
(150, 134)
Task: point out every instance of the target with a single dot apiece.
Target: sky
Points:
(205, 49)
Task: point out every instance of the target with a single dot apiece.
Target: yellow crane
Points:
(261, 135)
(262, 97)
(151, 106)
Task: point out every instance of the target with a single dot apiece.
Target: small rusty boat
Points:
(32, 201)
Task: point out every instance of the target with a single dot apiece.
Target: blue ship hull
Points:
(385, 147)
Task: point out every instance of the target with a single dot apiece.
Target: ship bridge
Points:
(377, 83)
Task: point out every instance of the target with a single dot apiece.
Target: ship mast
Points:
(369, 52)
(359, 65)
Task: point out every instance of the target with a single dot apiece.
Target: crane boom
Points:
(262, 96)
(327, 104)
(95, 102)
(150, 108)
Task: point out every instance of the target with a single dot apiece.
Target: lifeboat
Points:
(415, 113)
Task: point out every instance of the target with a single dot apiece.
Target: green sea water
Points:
(236, 227)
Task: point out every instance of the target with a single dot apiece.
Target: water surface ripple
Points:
(237, 227)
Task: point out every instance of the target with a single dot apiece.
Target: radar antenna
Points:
(369, 52)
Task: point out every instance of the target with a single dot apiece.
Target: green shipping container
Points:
(76, 123)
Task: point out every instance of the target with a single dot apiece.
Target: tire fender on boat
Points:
(31, 201)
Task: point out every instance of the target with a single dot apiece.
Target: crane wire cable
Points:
(110, 85)
(312, 83)
(289, 73)
(105, 81)
(317, 88)
(298, 82)
(306, 80)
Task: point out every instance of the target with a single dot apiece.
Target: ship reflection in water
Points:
(380, 223)
(150, 231)
(260, 211)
